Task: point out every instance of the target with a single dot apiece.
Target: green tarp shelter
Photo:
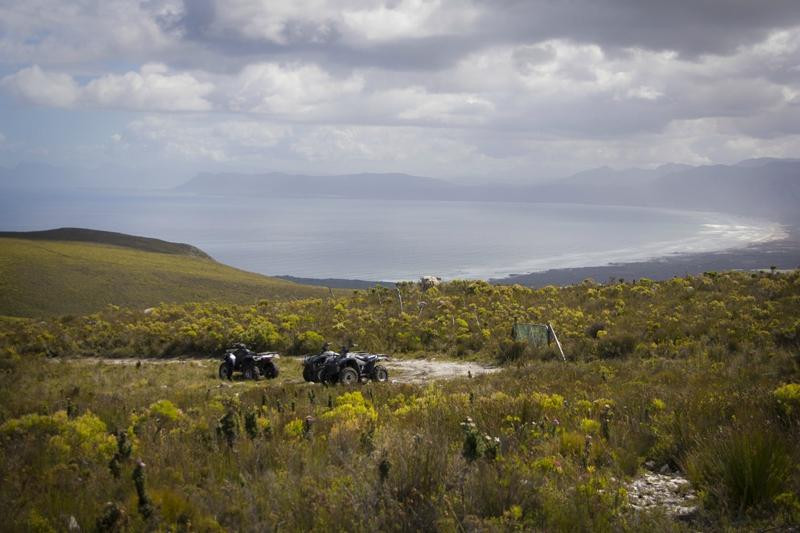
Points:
(538, 335)
(534, 334)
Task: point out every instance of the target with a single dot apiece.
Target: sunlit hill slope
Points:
(73, 271)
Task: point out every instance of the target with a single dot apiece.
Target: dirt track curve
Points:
(400, 370)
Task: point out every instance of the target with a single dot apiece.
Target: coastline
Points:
(782, 254)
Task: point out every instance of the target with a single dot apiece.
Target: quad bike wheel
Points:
(348, 376)
(269, 370)
(380, 374)
(251, 372)
(324, 378)
(223, 371)
(308, 373)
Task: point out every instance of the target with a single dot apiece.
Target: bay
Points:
(391, 240)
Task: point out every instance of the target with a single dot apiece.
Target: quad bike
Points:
(252, 365)
(344, 367)
(313, 364)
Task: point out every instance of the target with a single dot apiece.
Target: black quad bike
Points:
(347, 368)
(252, 365)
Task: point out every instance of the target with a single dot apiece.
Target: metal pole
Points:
(558, 343)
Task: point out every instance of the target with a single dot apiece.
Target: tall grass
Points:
(742, 467)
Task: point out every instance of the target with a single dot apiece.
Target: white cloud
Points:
(287, 89)
(441, 152)
(408, 19)
(152, 88)
(644, 92)
(415, 104)
(320, 21)
(273, 20)
(42, 88)
(54, 32)
(192, 138)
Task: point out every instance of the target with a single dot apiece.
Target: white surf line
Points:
(712, 236)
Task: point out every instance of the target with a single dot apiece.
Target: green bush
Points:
(307, 342)
(741, 467)
(616, 347)
(788, 398)
(510, 351)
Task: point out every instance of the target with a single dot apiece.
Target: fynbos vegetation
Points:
(697, 374)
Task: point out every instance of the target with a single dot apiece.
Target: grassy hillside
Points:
(39, 277)
(145, 244)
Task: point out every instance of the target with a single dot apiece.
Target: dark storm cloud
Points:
(689, 27)
(318, 41)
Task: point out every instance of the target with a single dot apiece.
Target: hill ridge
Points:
(136, 242)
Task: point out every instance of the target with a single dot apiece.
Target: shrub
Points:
(294, 429)
(616, 347)
(306, 342)
(9, 358)
(788, 398)
(741, 467)
(789, 336)
(593, 330)
(352, 413)
(164, 411)
(511, 350)
(590, 426)
(84, 436)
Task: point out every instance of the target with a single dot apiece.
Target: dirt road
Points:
(400, 370)
(423, 370)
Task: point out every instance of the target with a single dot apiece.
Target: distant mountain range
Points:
(763, 187)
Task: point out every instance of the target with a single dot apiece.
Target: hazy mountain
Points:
(759, 187)
(764, 186)
(767, 187)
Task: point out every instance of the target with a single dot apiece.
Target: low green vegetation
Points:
(39, 278)
(701, 374)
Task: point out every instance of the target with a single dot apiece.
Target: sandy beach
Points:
(782, 254)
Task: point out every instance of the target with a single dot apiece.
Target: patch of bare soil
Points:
(423, 370)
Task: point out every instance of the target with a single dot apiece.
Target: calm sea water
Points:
(386, 240)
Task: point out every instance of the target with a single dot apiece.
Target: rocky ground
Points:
(668, 491)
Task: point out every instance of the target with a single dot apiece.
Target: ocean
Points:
(391, 240)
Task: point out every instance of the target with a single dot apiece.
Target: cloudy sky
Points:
(152, 91)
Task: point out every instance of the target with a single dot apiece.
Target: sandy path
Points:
(422, 370)
(400, 370)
